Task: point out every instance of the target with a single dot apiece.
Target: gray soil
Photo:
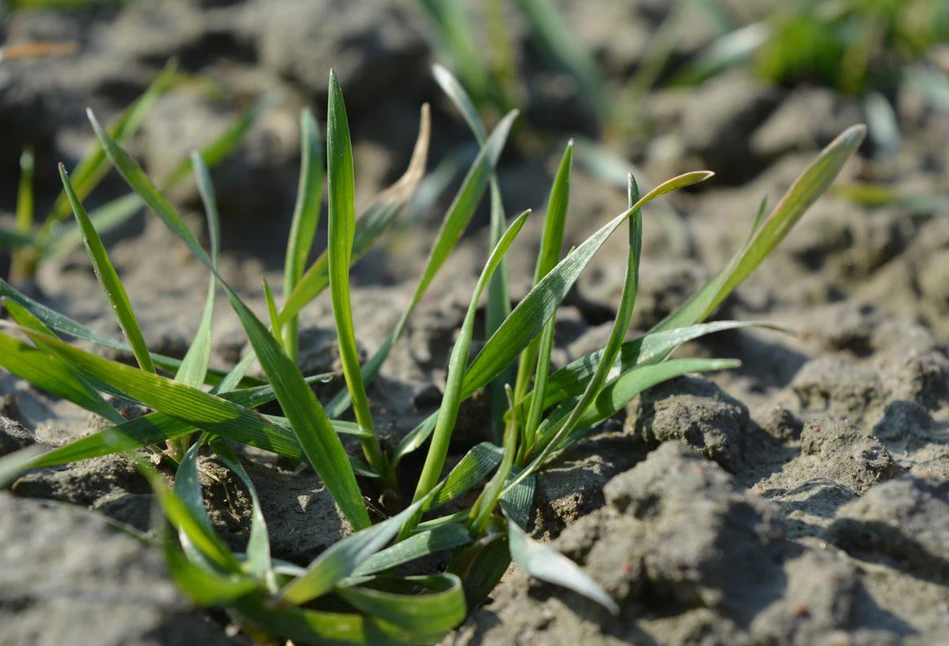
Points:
(800, 499)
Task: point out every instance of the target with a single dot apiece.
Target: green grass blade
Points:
(258, 545)
(342, 558)
(456, 220)
(536, 357)
(187, 487)
(805, 190)
(272, 312)
(195, 407)
(551, 566)
(205, 587)
(517, 499)
(499, 301)
(474, 467)
(342, 225)
(620, 325)
(621, 390)
(50, 374)
(319, 627)
(481, 567)
(451, 402)
(76, 390)
(185, 522)
(430, 615)
(616, 394)
(109, 279)
(306, 217)
(648, 349)
(529, 317)
(417, 546)
(372, 223)
(497, 308)
(23, 261)
(310, 423)
(159, 427)
(194, 366)
(456, 92)
(483, 508)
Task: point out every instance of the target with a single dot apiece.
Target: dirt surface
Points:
(800, 499)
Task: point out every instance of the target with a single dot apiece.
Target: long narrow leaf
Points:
(527, 319)
(546, 564)
(430, 615)
(306, 217)
(451, 402)
(805, 190)
(341, 559)
(342, 225)
(415, 547)
(456, 220)
(310, 423)
(372, 223)
(620, 325)
(109, 279)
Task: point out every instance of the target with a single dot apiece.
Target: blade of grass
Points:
(456, 220)
(258, 544)
(109, 279)
(204, 587)
(372, 223)
(342, 224)
(546, 564)
(620, 325)
(536, 357)
(497, 308)
(499, 301)
(194, 366)
(187, 487)
(430, 615)
(309, 421)
(50, 373)
(342, 558)
(185, 522)
(648, 349)
(306, 217)
(613, 397)
(159, 427)
(451, 402)
(195, 407)
(527, 319)
(23, 262)
(12, 465)
(805, 190)
(319, 627)
(415, 547)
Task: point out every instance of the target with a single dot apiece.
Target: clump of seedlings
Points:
(353, 592)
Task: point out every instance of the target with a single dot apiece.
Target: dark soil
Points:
(800, 499)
